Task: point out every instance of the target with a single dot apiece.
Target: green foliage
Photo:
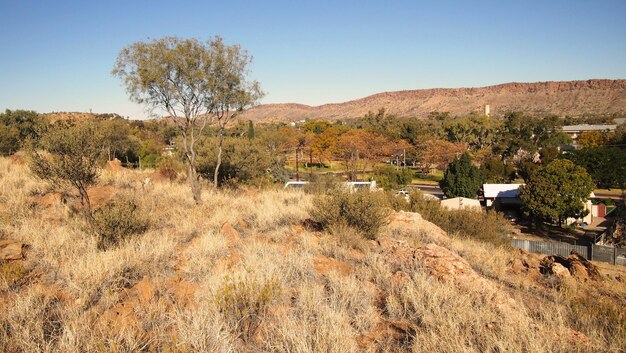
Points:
(117, 221)
(245, 302)
(490, 227)
(461, 178)
(494, 170)
(9, 140)
(17, 127)
(556, 192)
(244, 162)
(118, 140)
(364, 211)
(528, 133)
(606, 165)
(390, 178)
(323, 184)
(194, 82)
(70, 158)
(526, 169)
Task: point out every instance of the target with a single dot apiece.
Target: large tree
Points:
(556, 192)
(461, 178)
(195, 83)
(606, 165)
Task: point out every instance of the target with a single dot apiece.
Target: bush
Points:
(324, 184)
(488, 226)
(245, 303)
(117, 221)
(365, 211)
(169, 168)
(71, 159)
(391, 178)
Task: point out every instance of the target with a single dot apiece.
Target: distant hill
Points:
(563, 98)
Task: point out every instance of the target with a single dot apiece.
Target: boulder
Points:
(559, 270)
(325, 265)
(11, 249)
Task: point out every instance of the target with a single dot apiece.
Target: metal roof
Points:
(587, 127)
(501, 190)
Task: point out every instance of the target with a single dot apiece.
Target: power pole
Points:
(297, 170)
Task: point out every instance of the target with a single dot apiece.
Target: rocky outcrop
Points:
(574, 266)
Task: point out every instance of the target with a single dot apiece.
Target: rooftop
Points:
(501, 190)
(587, 127)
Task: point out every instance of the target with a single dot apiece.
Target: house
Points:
(591, 208)
(501, 195)
(574, 130)
(458, 203)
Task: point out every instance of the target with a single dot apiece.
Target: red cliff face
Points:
(561, 98)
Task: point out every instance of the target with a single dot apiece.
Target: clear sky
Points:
(58, 55)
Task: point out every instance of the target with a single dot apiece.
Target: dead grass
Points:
(68, 286)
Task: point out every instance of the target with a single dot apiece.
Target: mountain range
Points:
(563, 98)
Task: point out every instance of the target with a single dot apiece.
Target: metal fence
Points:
(611, 255)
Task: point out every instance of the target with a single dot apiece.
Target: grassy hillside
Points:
(246, 272)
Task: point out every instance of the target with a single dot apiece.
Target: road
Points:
(429, 189)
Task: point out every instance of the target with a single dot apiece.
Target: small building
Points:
(589, 206)
(459, 203)
(574, 130)
(501, 195)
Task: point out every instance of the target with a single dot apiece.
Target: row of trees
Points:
(204, 86)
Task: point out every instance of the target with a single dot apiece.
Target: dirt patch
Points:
(116, 166)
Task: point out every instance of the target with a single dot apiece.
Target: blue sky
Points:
(57, 55)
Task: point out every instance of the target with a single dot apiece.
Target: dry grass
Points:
(68, 287)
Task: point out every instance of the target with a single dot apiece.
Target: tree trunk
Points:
(192, 176)
(219, 158)
(84, 200)
(196, 190)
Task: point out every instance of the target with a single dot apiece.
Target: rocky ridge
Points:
(597, 96)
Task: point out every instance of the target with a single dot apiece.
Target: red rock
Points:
(231, 234)
(325, 265)
(11, 249)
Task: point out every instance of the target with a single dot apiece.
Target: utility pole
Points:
(403, 158)
(297, 170)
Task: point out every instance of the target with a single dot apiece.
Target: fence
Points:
(611, 255)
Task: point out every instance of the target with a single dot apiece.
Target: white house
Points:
(501, 194)
(458, 203)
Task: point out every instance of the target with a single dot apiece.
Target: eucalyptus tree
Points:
(196, 83)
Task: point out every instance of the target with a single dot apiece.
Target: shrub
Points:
(71, 158)
(487, 226)
(391, 178)
(245, 302)
(117, 221)
(324, 184)
(169, 168)
(364, 211)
